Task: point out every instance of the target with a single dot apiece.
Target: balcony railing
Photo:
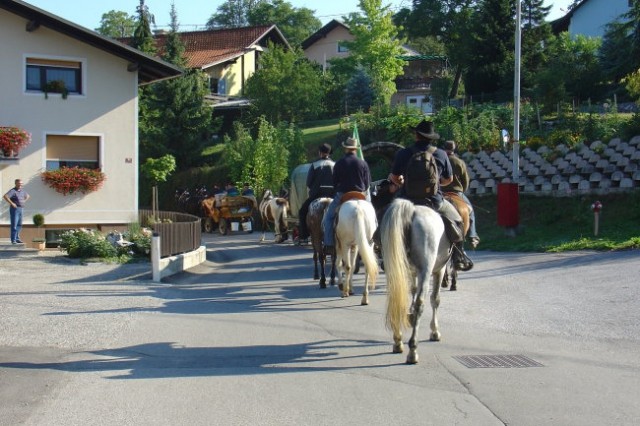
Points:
(413, 83)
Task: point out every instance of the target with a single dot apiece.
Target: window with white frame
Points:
(42, 72)
(72, 151)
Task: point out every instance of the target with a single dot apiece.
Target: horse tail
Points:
(394, 227)
(364, 247)
(283, 206)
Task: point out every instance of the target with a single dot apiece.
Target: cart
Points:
(228, 213)
(297, 195)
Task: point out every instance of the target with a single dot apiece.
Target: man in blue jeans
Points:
(349, 174)
(17, 198)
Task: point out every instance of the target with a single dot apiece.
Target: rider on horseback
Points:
(424, 135)
(459, 185)
(350, 174)
(319, 184)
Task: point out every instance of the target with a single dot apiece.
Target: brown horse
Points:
(314, 225)
(274, 210)
(451, 273)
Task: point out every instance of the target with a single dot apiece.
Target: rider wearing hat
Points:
(459, 185)
(319, 184)
(424, 137)
(350, 173)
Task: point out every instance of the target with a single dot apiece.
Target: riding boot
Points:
(461, 261)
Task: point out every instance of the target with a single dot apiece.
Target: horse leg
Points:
(344, 259)
(445, 277)
(333, 270)
(316, 274)
(414, 317)
(454, 279)
(323, 278)
(435, 304)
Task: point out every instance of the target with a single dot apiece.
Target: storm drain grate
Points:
(497, 361)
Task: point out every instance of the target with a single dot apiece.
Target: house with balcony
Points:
(413, 87)
(76, 93)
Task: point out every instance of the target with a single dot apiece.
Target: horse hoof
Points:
(323, 285)
(435, 337)
(412, 358)
(364, 302)
(398, 349)
(453, 288)
(444, 284)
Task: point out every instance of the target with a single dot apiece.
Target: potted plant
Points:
(38, 221)
(12, 140)
(68, 180)
(56, 86)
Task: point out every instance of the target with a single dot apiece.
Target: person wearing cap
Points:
(350, 173)
(424, 137)
(459, 185)
(319, 184)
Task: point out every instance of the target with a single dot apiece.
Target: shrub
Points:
(83, 243)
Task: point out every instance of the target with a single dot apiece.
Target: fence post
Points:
(155, 257)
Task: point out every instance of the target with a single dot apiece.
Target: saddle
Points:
(352, 195)
(461, 206)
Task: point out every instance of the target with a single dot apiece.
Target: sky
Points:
(193, 14)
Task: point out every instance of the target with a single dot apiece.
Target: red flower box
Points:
(12, 140)
(67, 180)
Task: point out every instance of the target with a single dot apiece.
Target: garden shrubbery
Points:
(88, 243)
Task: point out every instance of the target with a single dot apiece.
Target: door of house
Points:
(420, 103)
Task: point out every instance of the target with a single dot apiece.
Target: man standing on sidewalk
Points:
(17, 198)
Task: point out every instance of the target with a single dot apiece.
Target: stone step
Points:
(8, 250)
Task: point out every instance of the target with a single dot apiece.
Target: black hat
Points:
(450, 146)
(325, 148)
(425, 129)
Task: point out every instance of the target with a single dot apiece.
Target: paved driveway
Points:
(248, 338)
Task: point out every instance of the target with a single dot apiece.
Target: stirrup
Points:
(461, 261)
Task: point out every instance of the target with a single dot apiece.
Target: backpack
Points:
(421, 179)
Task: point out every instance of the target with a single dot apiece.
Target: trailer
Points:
(229, 213)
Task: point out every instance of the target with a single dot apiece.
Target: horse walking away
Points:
(314, 225)
(274, 210)
(451, 273)
(415, 250)
(356, 223)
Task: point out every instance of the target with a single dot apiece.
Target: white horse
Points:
(274, 210)
(414, 248)
(354, 234)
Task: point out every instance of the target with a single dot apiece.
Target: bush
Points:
(82, 243)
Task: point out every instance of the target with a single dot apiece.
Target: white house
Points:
(590, 17)
(95, 125)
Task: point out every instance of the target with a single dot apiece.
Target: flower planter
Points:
(12, 140)
(68, 180)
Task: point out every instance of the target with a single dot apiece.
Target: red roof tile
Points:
(211, 47)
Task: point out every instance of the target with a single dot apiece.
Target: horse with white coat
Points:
(415, 251)
(356, 223)
(274, 210)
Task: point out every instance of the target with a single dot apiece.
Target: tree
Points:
(180, 119)
(117, 24)
(285, 87)
(449, 22)
(232, 14)
(264, 161)
(296, 24)
(376, 47)
(360, 96)
(142, 35)
(572, 72)
(157, 170)
(536, 34)
(491, 48)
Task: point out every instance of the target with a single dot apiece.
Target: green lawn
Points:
(550, 224)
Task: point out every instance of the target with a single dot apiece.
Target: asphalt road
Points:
(248, 338)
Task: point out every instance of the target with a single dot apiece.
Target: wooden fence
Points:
(179, 232)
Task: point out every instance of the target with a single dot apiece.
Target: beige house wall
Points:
(327, 48)
(107, 109)
(235, 73)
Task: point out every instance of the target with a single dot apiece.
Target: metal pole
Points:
(516, 100)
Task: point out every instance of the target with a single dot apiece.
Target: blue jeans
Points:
(472, 216)
(16, 223)
(327, 220)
